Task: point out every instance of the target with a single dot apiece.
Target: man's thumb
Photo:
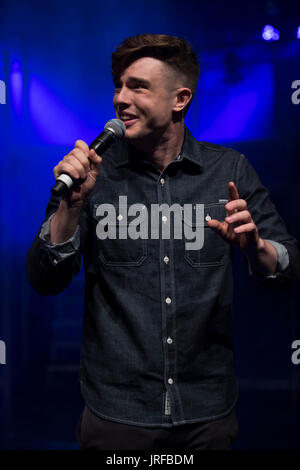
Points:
(96, 161)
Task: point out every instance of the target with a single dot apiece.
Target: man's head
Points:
(155, 77)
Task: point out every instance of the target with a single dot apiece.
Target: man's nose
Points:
(122, 96)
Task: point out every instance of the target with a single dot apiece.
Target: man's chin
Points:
(134, 135)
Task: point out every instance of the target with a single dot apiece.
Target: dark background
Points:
(55, 61)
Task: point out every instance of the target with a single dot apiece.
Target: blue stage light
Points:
(270, 33)
(298, 32)
(16, 83)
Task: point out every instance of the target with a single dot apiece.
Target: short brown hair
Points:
(176, 52)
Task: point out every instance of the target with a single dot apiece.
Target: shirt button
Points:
(170, 381)
(168, 300)
(55, 261)
(120, 217)
(166, 259)
(169, 340)
(162, 181)
(208, 217)
(164, 218)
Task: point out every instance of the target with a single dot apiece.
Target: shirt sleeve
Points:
(51, 267)
(271, 226)
(59, 251)
(282, 260)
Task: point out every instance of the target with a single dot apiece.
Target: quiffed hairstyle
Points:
(176, 52)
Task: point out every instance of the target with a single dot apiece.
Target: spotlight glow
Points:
(298, 32)
(269, 33)
(16, 83)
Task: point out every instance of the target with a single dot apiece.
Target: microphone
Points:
(114, 128)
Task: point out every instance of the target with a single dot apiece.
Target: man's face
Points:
(144, 97)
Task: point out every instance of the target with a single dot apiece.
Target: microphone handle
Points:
(102, 142)
(65, 182)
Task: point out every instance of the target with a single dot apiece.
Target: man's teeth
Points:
(127, 118)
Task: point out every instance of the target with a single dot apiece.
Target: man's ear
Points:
(183, 97)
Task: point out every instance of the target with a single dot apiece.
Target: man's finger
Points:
(233, 196)
(232, 191)
(243, 216)
(216, 225)
(80, 144)
(250, 227)
(236, 205)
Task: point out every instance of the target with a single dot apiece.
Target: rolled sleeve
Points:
(271, 227)
(282, 261)
(282, 256)
(59, 251)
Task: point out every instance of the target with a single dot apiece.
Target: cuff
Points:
(59, 251)
(282, 260)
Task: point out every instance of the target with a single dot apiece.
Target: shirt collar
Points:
(191, 151)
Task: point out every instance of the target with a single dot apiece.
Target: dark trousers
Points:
(95, 433)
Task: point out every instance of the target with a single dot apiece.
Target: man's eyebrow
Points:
(133, 80)
(140, 81)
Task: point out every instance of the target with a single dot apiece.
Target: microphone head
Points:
(116, 126)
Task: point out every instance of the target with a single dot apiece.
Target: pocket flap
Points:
(211, 211)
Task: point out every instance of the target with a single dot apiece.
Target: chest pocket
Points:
(213, 250)
(119, 248)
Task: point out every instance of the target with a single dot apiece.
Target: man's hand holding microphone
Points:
(76, 176)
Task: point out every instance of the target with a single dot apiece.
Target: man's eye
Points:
(139, 87)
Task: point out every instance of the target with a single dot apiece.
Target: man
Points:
(157, 361)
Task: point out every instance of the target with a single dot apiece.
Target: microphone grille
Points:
(116, 126)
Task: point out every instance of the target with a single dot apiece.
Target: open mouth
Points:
(128, 119)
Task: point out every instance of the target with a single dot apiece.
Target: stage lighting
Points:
(270, 34)
(16, 84)
(298, 32)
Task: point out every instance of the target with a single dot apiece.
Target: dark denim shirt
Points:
(157, 337)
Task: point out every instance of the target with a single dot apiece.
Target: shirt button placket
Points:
(167, 279)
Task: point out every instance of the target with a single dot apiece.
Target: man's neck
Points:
(165, 149)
